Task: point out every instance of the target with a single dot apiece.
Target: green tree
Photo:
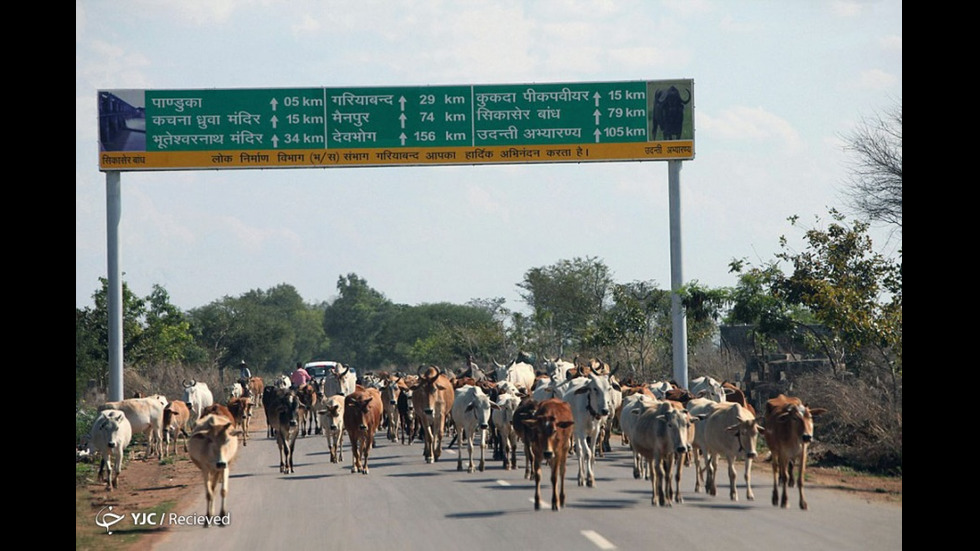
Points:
(354, 321)
(838, 282)
(566, 298)
(271, 330)
(167, 335)
(92, 335)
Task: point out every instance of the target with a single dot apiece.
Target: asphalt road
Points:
(404, 504)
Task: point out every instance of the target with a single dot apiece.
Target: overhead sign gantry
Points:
(395, 126)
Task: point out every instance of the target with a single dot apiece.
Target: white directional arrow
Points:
(401, 101)
(597, 134)
(402, 118)
(597, 114)
(597, 98)
(402, 136)
(275, 120)
(275, 141)
(273, 103)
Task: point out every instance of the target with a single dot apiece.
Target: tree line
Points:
(574, 307)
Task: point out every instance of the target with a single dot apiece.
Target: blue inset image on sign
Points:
(122, 120)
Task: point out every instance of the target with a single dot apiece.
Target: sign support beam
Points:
(113, 194)
(678, 318)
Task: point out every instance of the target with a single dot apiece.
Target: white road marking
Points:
(599, 541)
(503, 483)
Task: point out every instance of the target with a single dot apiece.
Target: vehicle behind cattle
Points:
(788, 433)
(550, 433)
(110, 436)
(212, 447)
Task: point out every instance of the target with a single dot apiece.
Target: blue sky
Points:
(777, 86)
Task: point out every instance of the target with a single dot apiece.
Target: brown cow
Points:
(788, 433)
(433, 398)
(735, 394)
(176, 415)
(255, 388)
(551, 435)
(219, 409)
(310, 421)
(362, 417)
(241, 410)
(213, 444)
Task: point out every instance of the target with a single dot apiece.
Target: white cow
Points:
(707, 387)
(519, 373)
(699, 408)
(503, 421)
(331, 414)
(731, 431)
(339, 380)
(234, 390)
(111, 434)
(471, 416)
(558, 369)
(591, 401)
(197, 396)
(282, 382)
(145, 416)
(627, 423)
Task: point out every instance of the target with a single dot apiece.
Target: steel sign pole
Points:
(677, 315)
(113, 195)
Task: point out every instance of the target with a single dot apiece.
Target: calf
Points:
(788, 433)
(407, 421)
(176, 416)
(241, 410)
(310, 422)
(550, 431)
(111, 434)
(389, 395)
(212, 446)
(524, 412)
(332, 420)
(255, 388)
(362, 417)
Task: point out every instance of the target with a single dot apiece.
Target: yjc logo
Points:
(106, 519)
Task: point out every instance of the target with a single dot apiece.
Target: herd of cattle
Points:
(566, 408)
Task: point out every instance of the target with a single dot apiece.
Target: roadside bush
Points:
(862, 428)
